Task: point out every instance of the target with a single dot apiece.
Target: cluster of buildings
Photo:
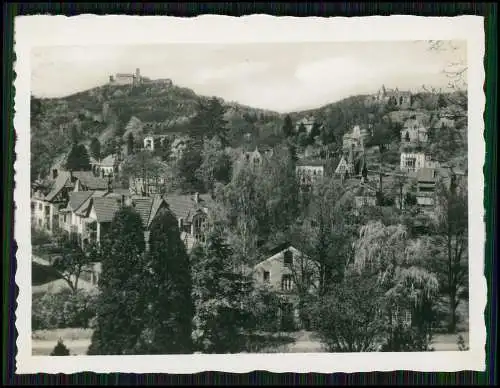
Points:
(401, 99)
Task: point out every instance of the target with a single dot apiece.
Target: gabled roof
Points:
(77, 198)
(91, 182)
(108, 161)
(185, 207)
(63, 180)
(105, 208)
(84, 207)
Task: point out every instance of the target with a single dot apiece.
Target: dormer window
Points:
(288, 258)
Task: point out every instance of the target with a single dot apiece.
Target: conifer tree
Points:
(220, 291)
(287, 126)
(168, 290)
(120, 306)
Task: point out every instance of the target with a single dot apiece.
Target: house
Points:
(146, 186)
(85, 181)
(356, 138)
(307, 123)
(401, 99)
(426, 186)
(153, 141)
(344, 168)
(45, 207)
(280, 270)
(413, 132)
(310, 172)
(74, 217)
(364, 195)
(179, 146)
(414, 161)
(191, 212)
(126, 78)
(107, 167)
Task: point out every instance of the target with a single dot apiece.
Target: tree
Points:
(277, 185)
(121, 304)
(209, 120)
(287, 126)
(325, 235)
(130, 143)
(72, 260)
(315, 131)
(348, 318)
(95, 148)
(60, 349)
(302, 129)
(441, 101)
(143, 165)
(452, 238)
(168, 290)
(216, 165)
(78, 158)
(400, 266)
(220, 290)
(188, 165)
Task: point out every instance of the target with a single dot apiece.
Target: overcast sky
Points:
(276, 76)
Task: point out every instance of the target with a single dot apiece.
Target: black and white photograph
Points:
(253, 198)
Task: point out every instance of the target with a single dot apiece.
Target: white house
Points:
(45, 207)
(414, 161)
(310, 172)
(413, 132)
(355, 138)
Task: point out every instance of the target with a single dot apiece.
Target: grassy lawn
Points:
(77, 340)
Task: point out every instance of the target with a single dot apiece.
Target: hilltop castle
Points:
(126, 78)
(401, 99)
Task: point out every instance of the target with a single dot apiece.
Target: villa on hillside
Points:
(279, 272)
(254, 158)
(310, 172)
(307, 122)
(413, 132)
(355, 138)
(411, 162)
(401, 99)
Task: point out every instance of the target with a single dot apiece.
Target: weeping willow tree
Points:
(409, 289)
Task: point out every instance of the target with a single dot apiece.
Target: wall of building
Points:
(419, 161)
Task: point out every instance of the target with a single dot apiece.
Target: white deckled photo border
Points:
(84, 30)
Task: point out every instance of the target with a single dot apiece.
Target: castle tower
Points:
(137, 76)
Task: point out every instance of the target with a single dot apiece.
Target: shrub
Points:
(62, 310)
(60, 349)
(39, 237)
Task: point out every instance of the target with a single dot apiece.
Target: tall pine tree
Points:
(287, 126)
(220, 290)
(78, 158)
(168, 290)
(121, 303)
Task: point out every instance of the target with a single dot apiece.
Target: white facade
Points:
(414, 132)
(412, 162)
(308, 174)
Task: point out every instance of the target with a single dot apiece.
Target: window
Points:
(286, 282)
(40, 207)
(266, 275)
(288, 258)
(199, 227)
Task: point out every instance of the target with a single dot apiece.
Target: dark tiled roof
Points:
(61, 181)
(77, 198)
(105, 208)
(91, 182)
(143, 207)
(311, 163)
(426, 175)
(85, 205)
(184, 206)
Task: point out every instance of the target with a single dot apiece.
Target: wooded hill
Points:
(162, 107)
